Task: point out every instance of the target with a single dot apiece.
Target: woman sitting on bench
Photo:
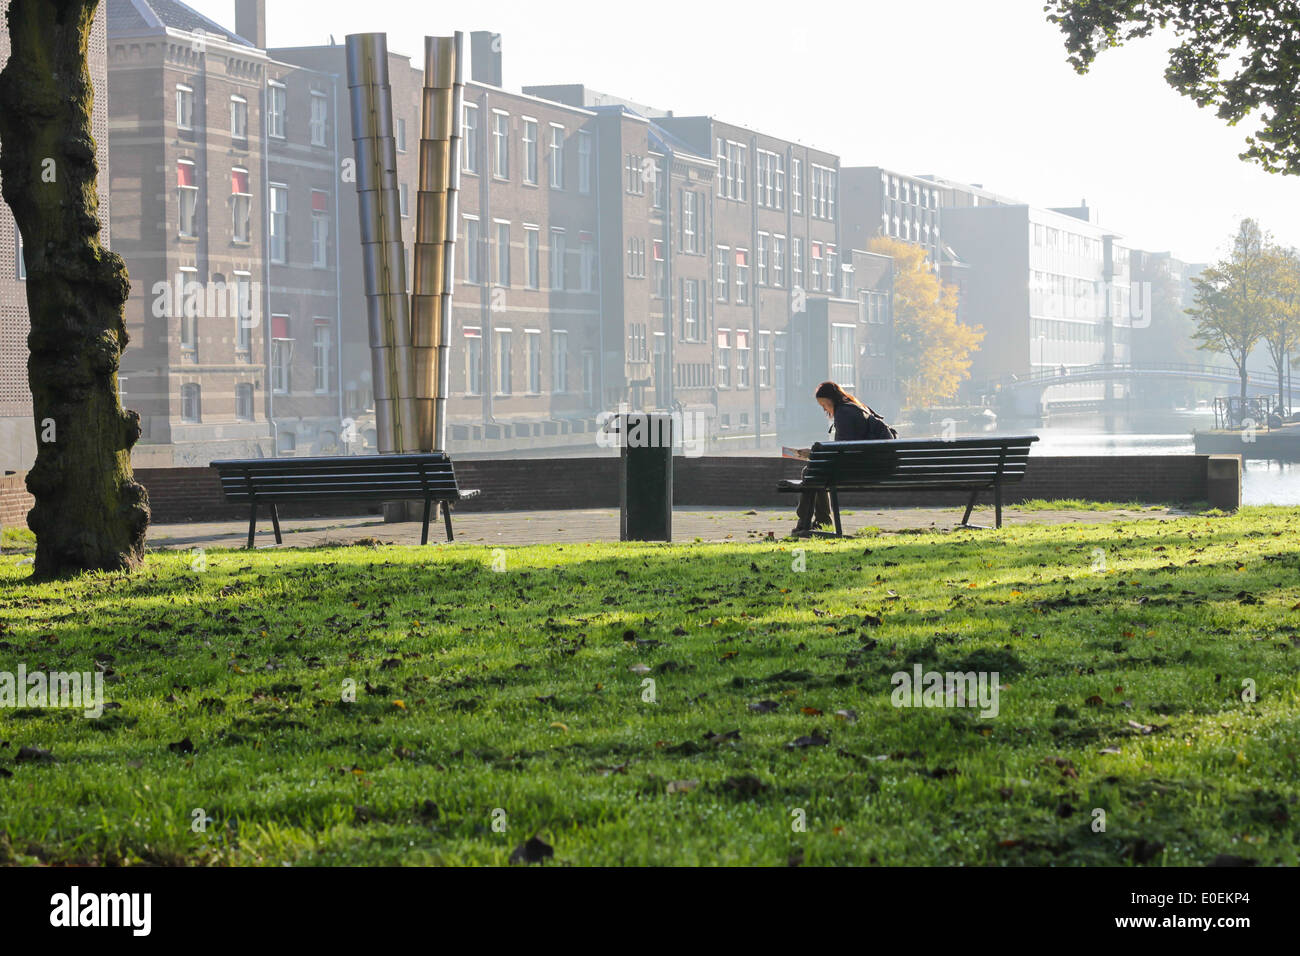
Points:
(850, 421)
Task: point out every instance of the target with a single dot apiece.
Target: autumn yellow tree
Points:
(932, 350)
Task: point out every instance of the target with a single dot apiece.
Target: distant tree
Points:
(932, 349)
(1168, 337)
(90, 514)
(1261, 36)
(1234, 298)
(1282, 329)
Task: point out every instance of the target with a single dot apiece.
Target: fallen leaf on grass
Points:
(682, 786)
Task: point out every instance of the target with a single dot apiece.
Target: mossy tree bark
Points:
(90, 514)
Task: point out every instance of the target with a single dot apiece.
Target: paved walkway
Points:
(597, 524)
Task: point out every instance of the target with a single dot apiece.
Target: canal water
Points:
(1157, 433)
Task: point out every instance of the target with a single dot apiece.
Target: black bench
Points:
(911, 464)
(269, 481)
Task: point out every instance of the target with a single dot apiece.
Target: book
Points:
(799, 454)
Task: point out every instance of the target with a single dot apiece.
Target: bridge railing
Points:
(1103, 369)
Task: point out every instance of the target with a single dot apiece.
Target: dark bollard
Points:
(645, 476)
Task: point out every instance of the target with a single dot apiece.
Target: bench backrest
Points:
(353, 476)
(921, 462)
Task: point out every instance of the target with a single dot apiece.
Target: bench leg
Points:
(424, 530)
(275, 522)
(252, 523)
(970, 506)
(997, 498)
(446, 519)
(835, 512)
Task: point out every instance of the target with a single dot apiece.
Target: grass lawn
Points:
(518, 699)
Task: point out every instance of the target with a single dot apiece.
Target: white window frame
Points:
(532, 256)
(500, 144)
(278, 232)
(469, 133)
(322, 355)
(558, 252)
(277, 104)
(555, 155)
(533, 356)
(504, 370)
(320, 112)
(238, 117)
(529, 170)
(320, 234)
(190, 193)
(584, 162)
(503, 252)
(184, 107)
(559, 361)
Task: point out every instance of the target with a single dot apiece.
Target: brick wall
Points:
(15, 502)
(194, 494)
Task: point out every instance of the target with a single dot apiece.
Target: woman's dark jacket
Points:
(850, 422)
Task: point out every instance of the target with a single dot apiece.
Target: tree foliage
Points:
(1235, 298)
(932, 349)
(1282, 327)
(1237, 56)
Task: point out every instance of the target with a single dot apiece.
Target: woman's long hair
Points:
(837, 395)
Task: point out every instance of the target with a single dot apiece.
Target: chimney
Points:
(250, 21)
(485, 57)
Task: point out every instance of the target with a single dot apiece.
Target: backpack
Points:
(877, 428)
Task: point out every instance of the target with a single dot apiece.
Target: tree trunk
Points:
(1241, 370)
(90, 514)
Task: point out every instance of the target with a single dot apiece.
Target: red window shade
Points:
(279, 326)
(659, 251)
(319, 201)
(817, 250)
(742, 340)
(239, 181)
(742, 258)
(185, 174)
(473, 332)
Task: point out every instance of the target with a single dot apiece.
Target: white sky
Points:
(972, 90)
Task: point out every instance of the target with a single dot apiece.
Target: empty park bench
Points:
(269, 481)
(919, 465)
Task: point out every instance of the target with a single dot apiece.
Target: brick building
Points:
(225, 179)
(17, 431)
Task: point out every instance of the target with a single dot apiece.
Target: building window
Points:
(473, 251)
(244, 403)
(815, 267)
(188, 187)
(532, 251)
(556, 156)
(286, 443)
(184, 107)
(584, 162)
(761, 258)
(530, 151)
(500, 145)
(279, 224)
(559, 361)
(319, 118)
(742, 358)
(724, 358)
(403, 201)
(636, 258)
(823, 192)
(241, 204)
(796, 263)
(193, 298)
(400, 135)
(503, 361)
(503, 254)
(658, 190)
(842, 354)
(589, 379)
(244, 321)
(191, 404)
(732, 161)
(660, 288)
(722, 274)
(635, 181)
(281, 352)
(238, 118)
(769, 185)
(323, 349)
(557, 259)
(533, 340)
(764, 360)
(778, 261)
(473, 361)
(690, 233)
(275, 106)
(742, 276)
(320, 228)
(469, 130)
(691, 310)
(587, 262)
